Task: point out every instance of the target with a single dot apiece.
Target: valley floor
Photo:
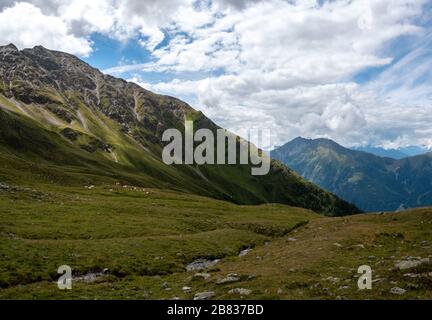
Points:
(126, 242)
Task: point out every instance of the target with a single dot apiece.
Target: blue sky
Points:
(358, 72)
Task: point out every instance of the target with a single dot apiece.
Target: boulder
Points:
(229, 279)
(411, 262)
(201, 276)
(240, 291)
(204, 295)
(397, 291)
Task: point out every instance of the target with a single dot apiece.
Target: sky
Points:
(355, 71)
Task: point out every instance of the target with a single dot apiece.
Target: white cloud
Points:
(25, 25)
(67, 25)
(410, 78)
(278, 64)
(288, 67)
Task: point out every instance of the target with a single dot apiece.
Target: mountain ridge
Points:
(371, 182)
(396, 154)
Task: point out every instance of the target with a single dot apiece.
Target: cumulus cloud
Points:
(237, 4)
(286, 65)
(49, 31)
(67, 25)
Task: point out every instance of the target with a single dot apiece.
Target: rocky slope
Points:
(60, 116)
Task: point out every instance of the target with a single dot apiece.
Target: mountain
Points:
(64, 122)
(371, 182)
(397, 154)
(381, 152)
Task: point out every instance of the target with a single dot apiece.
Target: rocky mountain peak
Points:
(42, 76)
(8, 48)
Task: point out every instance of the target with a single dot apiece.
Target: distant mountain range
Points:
(62, 121)
(371, 182)
(397, 154)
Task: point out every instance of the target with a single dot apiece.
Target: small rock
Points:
(413, 286)
(4, 186)
(279, 291)
(201, 276)
(413, 258)
(377, 280)
(204, 295)
(240, 291)
(165, 285)
(411, 262)
(186, 289)
(292, 239)
(244, 252)
(332, 279)
(344, 288)
(89, 277)
(337, 245)
(201, 264)
(412, 275)
(229, 279)
(397, 291)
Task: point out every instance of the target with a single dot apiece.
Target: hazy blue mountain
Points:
(371, 182)
(397, 154)
(415, 150)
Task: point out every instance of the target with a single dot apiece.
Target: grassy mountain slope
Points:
(373, 183)
(131, 230)
(129, 243)
(59, 112)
